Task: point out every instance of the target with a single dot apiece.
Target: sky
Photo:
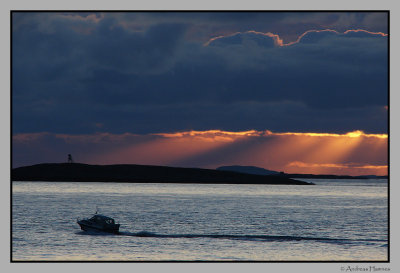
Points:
(299, 92)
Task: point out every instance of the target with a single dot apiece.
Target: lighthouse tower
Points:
(70, 160)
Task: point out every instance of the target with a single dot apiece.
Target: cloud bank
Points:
(150, 72)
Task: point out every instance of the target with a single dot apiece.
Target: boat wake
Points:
(264, 238)
(261, 238)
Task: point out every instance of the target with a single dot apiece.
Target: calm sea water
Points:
(334, 220)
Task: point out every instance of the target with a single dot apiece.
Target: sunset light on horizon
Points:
(352, 153)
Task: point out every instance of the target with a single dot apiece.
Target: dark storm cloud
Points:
(286, 24)
(145, 72)
(150, 51)
(324, 70)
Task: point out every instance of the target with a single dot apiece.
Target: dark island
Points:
(76, 172)
(262, 171)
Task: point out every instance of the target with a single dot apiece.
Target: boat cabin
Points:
(102, 219)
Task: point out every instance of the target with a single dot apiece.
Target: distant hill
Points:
(332, 176)
(262, 171)
(76, 172)
(248, 169)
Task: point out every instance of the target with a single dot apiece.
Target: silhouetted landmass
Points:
(262, 171)
(75, 172)
(331, 176)
(247, 169)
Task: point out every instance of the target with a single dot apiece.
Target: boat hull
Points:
(86, 226)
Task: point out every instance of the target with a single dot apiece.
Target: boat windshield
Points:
(100, 219)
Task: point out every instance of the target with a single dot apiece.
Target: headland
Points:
(131, 173)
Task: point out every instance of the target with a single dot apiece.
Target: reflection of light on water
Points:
(326, 188)
(156, 217)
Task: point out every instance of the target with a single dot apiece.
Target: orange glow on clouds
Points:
(279, 42)
(320, 152)
(211, 134)
(160, 151)
(356, 133)
(331, 165)
(352, 153)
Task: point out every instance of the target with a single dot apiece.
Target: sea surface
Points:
(334, 220)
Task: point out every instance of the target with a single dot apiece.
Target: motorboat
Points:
(99, 222)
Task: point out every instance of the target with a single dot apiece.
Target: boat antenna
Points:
(97, 209)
